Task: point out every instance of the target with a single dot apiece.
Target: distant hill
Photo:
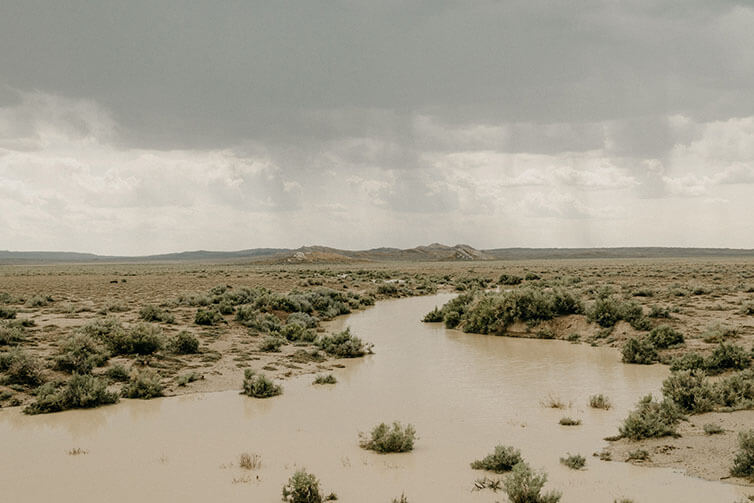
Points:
(434, 252)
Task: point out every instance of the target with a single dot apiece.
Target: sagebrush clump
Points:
(81, 391)
(651, 419)
(343, 345)
(144, 385)
(524, 485)
(501, 460)
(259, 385)
(384, 438)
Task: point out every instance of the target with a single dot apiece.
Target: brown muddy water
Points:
(464, 393)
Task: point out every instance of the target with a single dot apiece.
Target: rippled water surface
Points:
(464, 393)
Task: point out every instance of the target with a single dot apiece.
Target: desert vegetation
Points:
(386, 438)
(501, 460)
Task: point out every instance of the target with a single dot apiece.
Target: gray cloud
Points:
(172, 124)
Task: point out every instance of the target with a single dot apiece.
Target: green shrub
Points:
(208, 317)
(713, 429)
(325, 379)
(651, 419)
(10, 335)
(727, 356)
(606, 312)
(259, 385)
(153, 313)
(101, 328)
(736, 391)
(184, 343)
(743, 464)
(79, 392)
(639, 351)
(688, 361)
(384, 438)
(303, 319)
(343, 345)
(600, 402)
(271, 344)
(143, 385)
(20, 368)
(525, 486)
(503, 459)
(118, 372)
(139, 339)
(434, 316)
(39, 301)
(717, 332)
(298, 333)
(664, 336)
(659, 312)
(574, 461)
(302, 487)
(7, 313)
(691, 393)
(747, 308)
(81, 353)
(510, 279)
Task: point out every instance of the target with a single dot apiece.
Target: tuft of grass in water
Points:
(250, 461)
(325, 379)
(600, 401)
(487, 483)
(503, 459)
(384, 438)
(743, 464)
(569, 421)
(554, 402)
(259, 385)
(402, 499)
(574, 461)
(525, 485)
(144, 385)
(77, 451)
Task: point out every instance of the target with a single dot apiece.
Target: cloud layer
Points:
(140, 128)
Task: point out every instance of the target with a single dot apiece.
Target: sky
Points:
(143, 127)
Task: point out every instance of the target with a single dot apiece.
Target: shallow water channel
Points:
(464, 393)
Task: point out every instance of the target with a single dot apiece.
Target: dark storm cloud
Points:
(212, 74)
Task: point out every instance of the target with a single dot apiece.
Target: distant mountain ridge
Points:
(435, 252)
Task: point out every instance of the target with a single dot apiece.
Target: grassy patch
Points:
(153, 313)
(80, 353)
(743, 464)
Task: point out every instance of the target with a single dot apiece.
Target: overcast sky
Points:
(146, 127)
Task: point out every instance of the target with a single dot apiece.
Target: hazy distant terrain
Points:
(323, 254)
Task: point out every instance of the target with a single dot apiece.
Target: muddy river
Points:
(464, 393)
